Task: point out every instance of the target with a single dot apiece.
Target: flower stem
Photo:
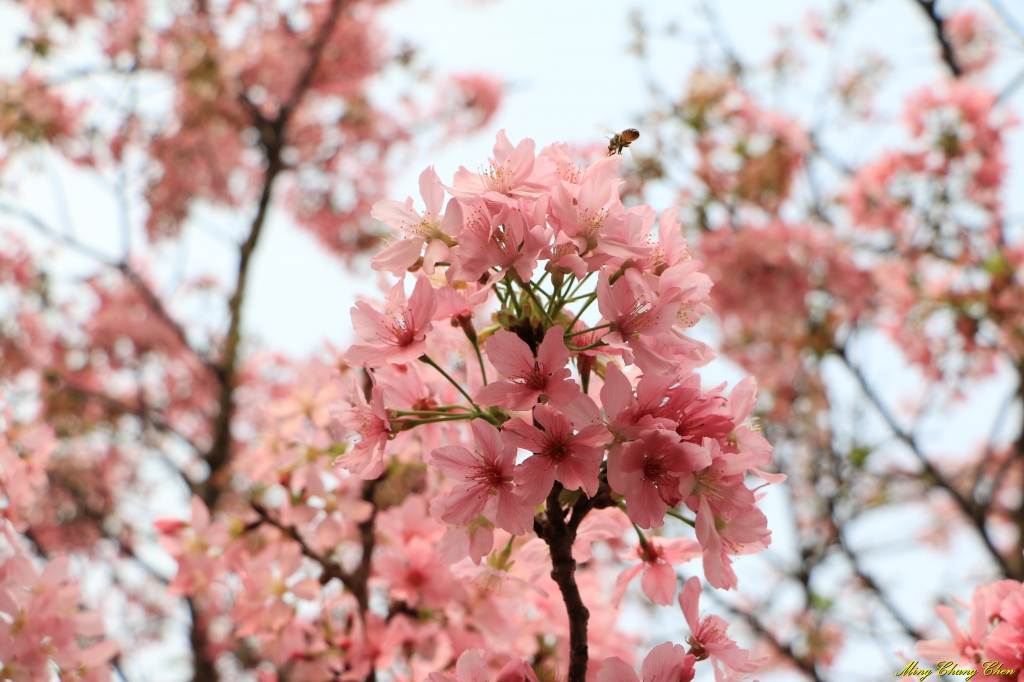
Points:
(643, 538)
(673, 513)
(591, 299)
(426, 359)
(536, 301)
(600, 326)
(596, 344)
(480, 358)
(434, 420)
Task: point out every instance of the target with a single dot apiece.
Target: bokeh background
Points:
(566, 69)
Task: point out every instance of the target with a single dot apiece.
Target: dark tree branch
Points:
(272, 138)
(1018, 458)
(973, 511)
(559, 537)
(329, 568)
(806, 665)
(356, 582)
(203, 669)
(133, 277)
(948, 56)
(881, 595)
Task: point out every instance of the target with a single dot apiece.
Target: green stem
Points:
(596, 344)
(592, 329)
(593, 297)
(675, 514)
(529, 291)
(426, 359)
(434, 420)
(540, 281)
(581, 283)
(480, 357)
(511, 297)
(427, 413)
(643, 538)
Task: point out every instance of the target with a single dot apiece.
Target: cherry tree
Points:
(866, 265)
(377, 517)
(124, 385)
(449, 497)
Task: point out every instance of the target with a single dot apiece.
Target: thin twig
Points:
(948, 56)
(972, 510)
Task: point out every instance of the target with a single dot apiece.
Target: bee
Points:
(620, 141)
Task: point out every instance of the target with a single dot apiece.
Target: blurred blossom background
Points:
(849, 174)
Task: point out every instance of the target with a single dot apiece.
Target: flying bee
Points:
(620, 141)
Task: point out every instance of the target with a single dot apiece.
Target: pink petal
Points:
(471, 667)
(616, 670)
(509, 354)
(465, 502)
(455, 462)
(489, 439)
(431, 191)
(646, 508)
(399, 215)
(513, 515)
(689, 599)
(659, 583)
(534, 479)
(421, 304)
(581, 470)
(507, 395)
(622, 482)
(552, 352)
(623, 581)
(560, 389)
(398, 257)
(665, 662)
(523, 435)
(680, 550)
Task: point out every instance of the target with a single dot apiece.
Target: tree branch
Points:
(972, 510)
(272, 138)
(559, 537)
(329, 568)
(761, 630)
(948, 56)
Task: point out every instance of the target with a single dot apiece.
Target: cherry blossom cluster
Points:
(43, 629)
(825, 252)
(273, 97)
(994, 639)
(487, 329)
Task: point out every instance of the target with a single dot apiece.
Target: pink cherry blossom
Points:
(966, 646)
(471, 668)
(497, 240)
(432, 228)
(573, 459)
(658, 559)
(484, 480)
(528, 377)
(513, 173)
(370, 422)
(667, 661)
(397, 336)
(648, 471)
(708, 638)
